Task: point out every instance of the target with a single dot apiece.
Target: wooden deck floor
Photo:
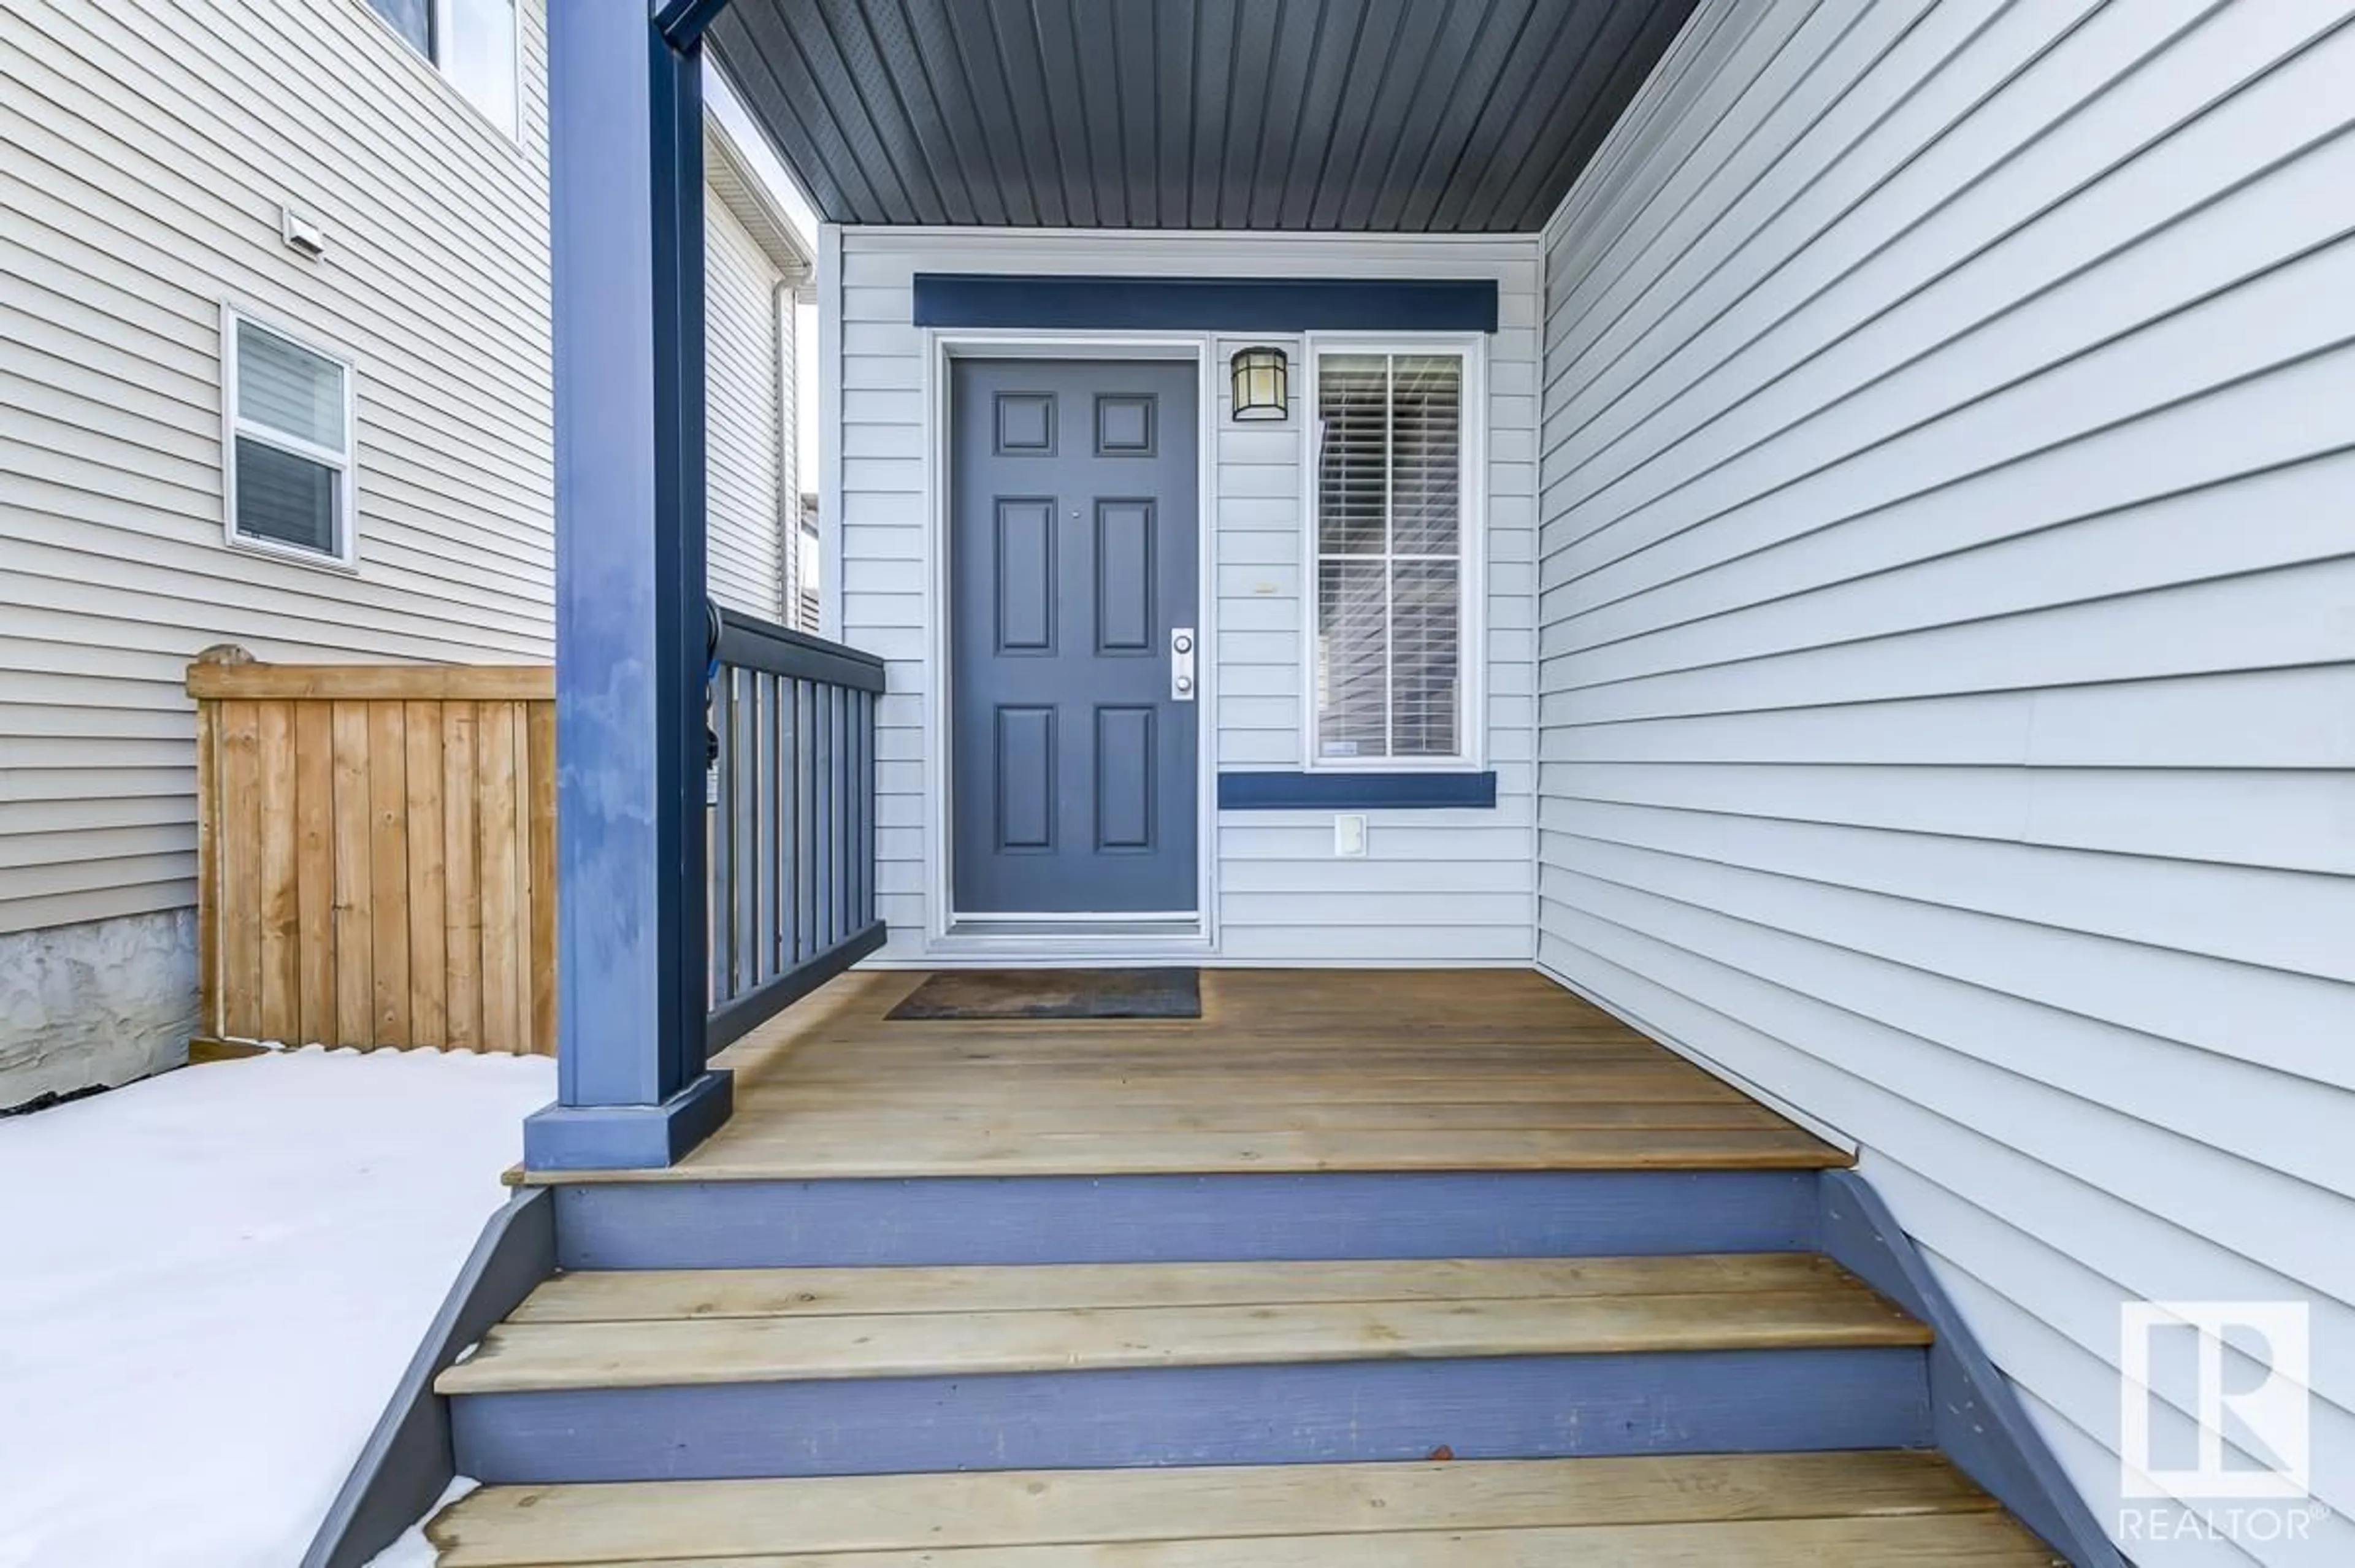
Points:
(1285, 1070)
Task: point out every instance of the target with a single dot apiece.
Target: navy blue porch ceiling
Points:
(1412, 116)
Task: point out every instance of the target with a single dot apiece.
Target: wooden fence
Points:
(377, 853)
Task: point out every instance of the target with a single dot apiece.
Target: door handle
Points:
(1181, 664)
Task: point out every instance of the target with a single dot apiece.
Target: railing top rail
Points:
(751, 643)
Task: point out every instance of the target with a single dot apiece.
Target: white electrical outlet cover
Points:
(1350, 834)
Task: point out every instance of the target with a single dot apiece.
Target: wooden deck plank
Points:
(509, 1527)
(1941, 1540)
(757, 1152)
(982, 1092)
(670, 1353)
(1252, 1115)
(1286, 1071)
(625, 1296)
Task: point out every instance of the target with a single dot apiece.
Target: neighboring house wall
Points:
(752, 268)
(144, 151)
(1947, 652)
(1434, 886)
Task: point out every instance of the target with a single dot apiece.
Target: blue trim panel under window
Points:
(1224, 305)
(1354, 791)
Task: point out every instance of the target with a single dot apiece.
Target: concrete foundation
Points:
(102, 1002)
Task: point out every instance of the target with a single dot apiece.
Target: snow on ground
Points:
(209, 1282)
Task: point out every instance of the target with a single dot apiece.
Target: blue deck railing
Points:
(792, 844)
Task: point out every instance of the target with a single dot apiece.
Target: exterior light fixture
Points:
(1260, 377)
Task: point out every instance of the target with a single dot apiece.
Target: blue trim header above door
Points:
(1207, 305)
(1355, 791)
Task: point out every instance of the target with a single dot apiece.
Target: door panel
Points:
(1072, 519)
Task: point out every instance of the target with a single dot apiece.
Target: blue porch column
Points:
(626, 238)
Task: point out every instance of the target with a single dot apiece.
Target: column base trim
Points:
(627, 1137)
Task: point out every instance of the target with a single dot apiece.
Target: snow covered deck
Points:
(210, 1280)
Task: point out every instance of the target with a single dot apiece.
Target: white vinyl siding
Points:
(1448, 886)
(474, 44)
(148, 147)
(1946, 649)
(746, 349)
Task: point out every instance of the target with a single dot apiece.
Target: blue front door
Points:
(1072, 568)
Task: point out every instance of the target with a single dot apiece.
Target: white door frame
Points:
(1064, 939)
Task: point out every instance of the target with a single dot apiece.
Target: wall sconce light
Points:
(1260, 391)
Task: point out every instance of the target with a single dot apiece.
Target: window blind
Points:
(1390, 555)
(290, 462)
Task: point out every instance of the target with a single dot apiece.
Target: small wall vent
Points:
(304, 234)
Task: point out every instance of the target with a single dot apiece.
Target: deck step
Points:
(604, 1377)
(625, 1295)
(1764, 1511)
(774, 1325)
(881, 1149)
(1233, 1216)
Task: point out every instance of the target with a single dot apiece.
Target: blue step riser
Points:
(1501, 1408)
(1182, 1218)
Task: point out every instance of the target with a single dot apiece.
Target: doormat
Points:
(974, 994)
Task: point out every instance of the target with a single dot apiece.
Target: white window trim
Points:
(438, 27)
(1472, 574)
(345, 557)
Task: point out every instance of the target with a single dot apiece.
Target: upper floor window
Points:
(1393, 574)
(288, 422)
(473, 42)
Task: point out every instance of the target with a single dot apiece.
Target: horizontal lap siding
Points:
(1945, 643)
(743, 430)
(148, 146)
(1435, 886)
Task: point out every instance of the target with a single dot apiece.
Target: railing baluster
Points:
(790, 844)
(846, 811)
(774, 960)
(741, 864)
(789, 877)
(804, 817)
(764, 860)
(827, 863)
(719, 838)
(862, 799)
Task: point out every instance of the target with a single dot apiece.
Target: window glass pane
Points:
(1352, 658)
(1426, 453)
(410, 20)
(284, 497)
(1352, 493)
(479, 57)
(1389, 542)
(1425, 640)
(285, 386)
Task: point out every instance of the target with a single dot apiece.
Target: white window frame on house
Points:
(235, 426)
(1472, 570)
(437, 28)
